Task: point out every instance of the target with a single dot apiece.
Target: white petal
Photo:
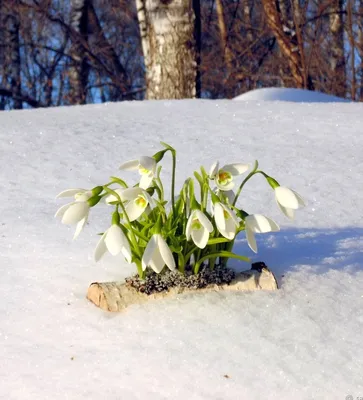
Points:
(232, 214)
(114, 240)
(70, 193)
(134, 211)
(230, 196)
(80, 226)
(131, 193)
(200, 237)
(111, 198)
(75, 212)
(219, 216)
(287, 198)
(148, 163)
(157, 263)
(204, 220)
(100, 248)
(287, 211)
(251, 240)
(258, 223)
(60, 212)
(188, 228)
(148, 253)
(126, 251)
(146, 180)
(231, 229)
(214, 169)
(166, 253)
(236, 169)
(130, 165)
(226, 187)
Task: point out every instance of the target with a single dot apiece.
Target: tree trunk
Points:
(287, 41)
(79, 68)
(167, 36)
(223, 37)
(337, 59)
(12, 63)
(360, 48)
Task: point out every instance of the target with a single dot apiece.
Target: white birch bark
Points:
(167, 36)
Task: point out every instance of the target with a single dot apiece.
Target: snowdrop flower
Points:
(112, 198)
(223, 177)
(198, 228)
(257, 223)
(138, 200)
(146, 167)
(75, 213)
(115, 241)
(157, 254)
(226, 220)
(288, 200)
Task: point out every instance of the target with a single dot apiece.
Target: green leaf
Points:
(119, 181)
(224, 254)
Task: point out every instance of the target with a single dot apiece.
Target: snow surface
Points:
(289, 94)
(301, 342)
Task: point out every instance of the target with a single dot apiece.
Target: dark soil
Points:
(155, 283)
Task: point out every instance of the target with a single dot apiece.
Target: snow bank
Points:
(303, 342)
(289, 94)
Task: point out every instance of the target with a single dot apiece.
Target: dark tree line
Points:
(62, 52)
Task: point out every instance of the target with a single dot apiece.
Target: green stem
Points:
(132, 234)
(139, 269)
(173, 181)
(223, 254)
(248, 177)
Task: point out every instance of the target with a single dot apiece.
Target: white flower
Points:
(157, 254)
(223, 177)
(198, 227)
(257, 223)
(147, 169)
(75, 212)
(226, 220)
(112, 198)
(138, 200)
(288, 200)
(76, 193)
(115, 241)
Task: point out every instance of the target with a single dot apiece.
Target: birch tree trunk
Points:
(167, 36)
(78, 71)
(337, 58)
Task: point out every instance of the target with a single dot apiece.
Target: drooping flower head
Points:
(223, 177)
(146, 167)
(257, 223)
(198, 228)
(288, 201)
(226, 220)
(157, 254)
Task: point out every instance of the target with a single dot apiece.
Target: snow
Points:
(289, 94)
(301, 342)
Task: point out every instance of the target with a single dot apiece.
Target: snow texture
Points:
(289, 94)
(301, 342)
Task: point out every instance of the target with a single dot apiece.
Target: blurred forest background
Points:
(63, 52)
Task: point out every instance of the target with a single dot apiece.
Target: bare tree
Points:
(337, 57)
(79, 67)
(167, 36)
(12, 63)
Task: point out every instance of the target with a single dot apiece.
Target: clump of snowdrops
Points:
(194, 228)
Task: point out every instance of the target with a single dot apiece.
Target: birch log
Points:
(117, 296)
